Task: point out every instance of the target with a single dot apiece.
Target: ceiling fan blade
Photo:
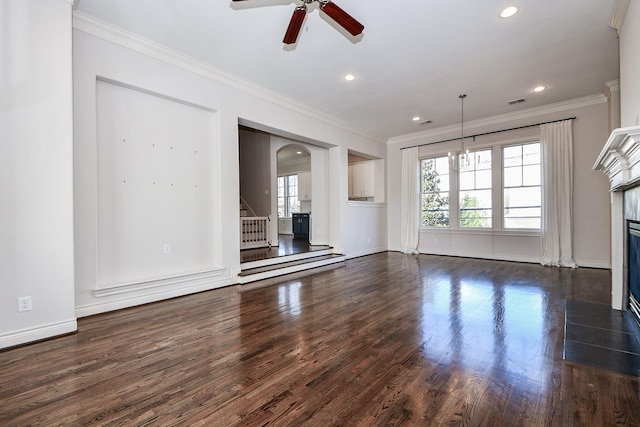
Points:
(341, 17)
(295, 25)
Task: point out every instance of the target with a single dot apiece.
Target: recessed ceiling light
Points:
(508, 12)
(298, 152)
(416, 119)
(350, 77)
(539, 88)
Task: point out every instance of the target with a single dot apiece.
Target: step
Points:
(318, 251)
(248, 275)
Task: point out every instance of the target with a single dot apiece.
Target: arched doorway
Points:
(294, 192)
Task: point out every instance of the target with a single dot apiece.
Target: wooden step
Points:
(314, 251)
(248, 275)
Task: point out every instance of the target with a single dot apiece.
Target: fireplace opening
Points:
(633, 232)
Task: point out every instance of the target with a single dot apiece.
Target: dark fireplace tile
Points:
(598, 316)
(604, 358)
(598, 336)
(615, 340)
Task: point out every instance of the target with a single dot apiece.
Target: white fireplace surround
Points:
(620, 161)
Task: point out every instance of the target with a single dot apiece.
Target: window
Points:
(434, 188)
(475, 189)
(288, 195)
(522, 192)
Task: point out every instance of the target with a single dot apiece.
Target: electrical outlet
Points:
(166, 248)
(24, 304)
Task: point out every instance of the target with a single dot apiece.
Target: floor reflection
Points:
(485, 325)
(289, 298)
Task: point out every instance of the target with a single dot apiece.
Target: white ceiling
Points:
(414, 58)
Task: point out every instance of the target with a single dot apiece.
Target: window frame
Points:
(522, 166)
(423, 223)
(287, 196)
(490, 189)
(497, 191)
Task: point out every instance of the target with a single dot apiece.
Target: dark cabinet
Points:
(300, 223)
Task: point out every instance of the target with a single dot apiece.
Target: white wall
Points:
(103, 52)
(630, 66)
(255, 171)
(590, 199)
(36, 187)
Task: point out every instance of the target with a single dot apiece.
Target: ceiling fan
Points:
(341, 17)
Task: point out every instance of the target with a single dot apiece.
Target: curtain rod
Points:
(489, 133)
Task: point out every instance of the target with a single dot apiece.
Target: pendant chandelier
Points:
(464, 158)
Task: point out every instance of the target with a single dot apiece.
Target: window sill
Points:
(480, 231)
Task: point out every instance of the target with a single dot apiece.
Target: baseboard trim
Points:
(29, 335)
(491, 256)
(365, 252)
(161, 282)
(594, 264)
(154, 296)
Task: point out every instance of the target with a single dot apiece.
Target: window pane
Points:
(522, 192)
(443, 184)
(475, 208)
(512, 156)
(280, 186)
(477, 219)
(531, 154)
(513, 176)
(531, 175)
(442, 165)
(435, 210)
(435, 191)
(481, 198)
(294, 205)
(467, 180)
(281, 211)
(483, 160)
(522, 197)
(483, 179)
(475, 191)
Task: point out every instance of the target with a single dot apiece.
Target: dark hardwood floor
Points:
(288, 245)
(388, 339)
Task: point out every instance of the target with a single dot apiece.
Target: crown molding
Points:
(619, 12)
(501, 119)
(98, 28)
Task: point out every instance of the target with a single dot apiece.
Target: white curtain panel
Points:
(557, 194)
(410, 200)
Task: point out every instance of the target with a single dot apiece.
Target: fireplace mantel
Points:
(620, 158)
(620, 161)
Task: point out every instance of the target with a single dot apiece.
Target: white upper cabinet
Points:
(361, 180)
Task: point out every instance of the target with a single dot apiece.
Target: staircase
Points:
(308, 262)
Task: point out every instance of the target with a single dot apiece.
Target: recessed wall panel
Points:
(155, 185)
